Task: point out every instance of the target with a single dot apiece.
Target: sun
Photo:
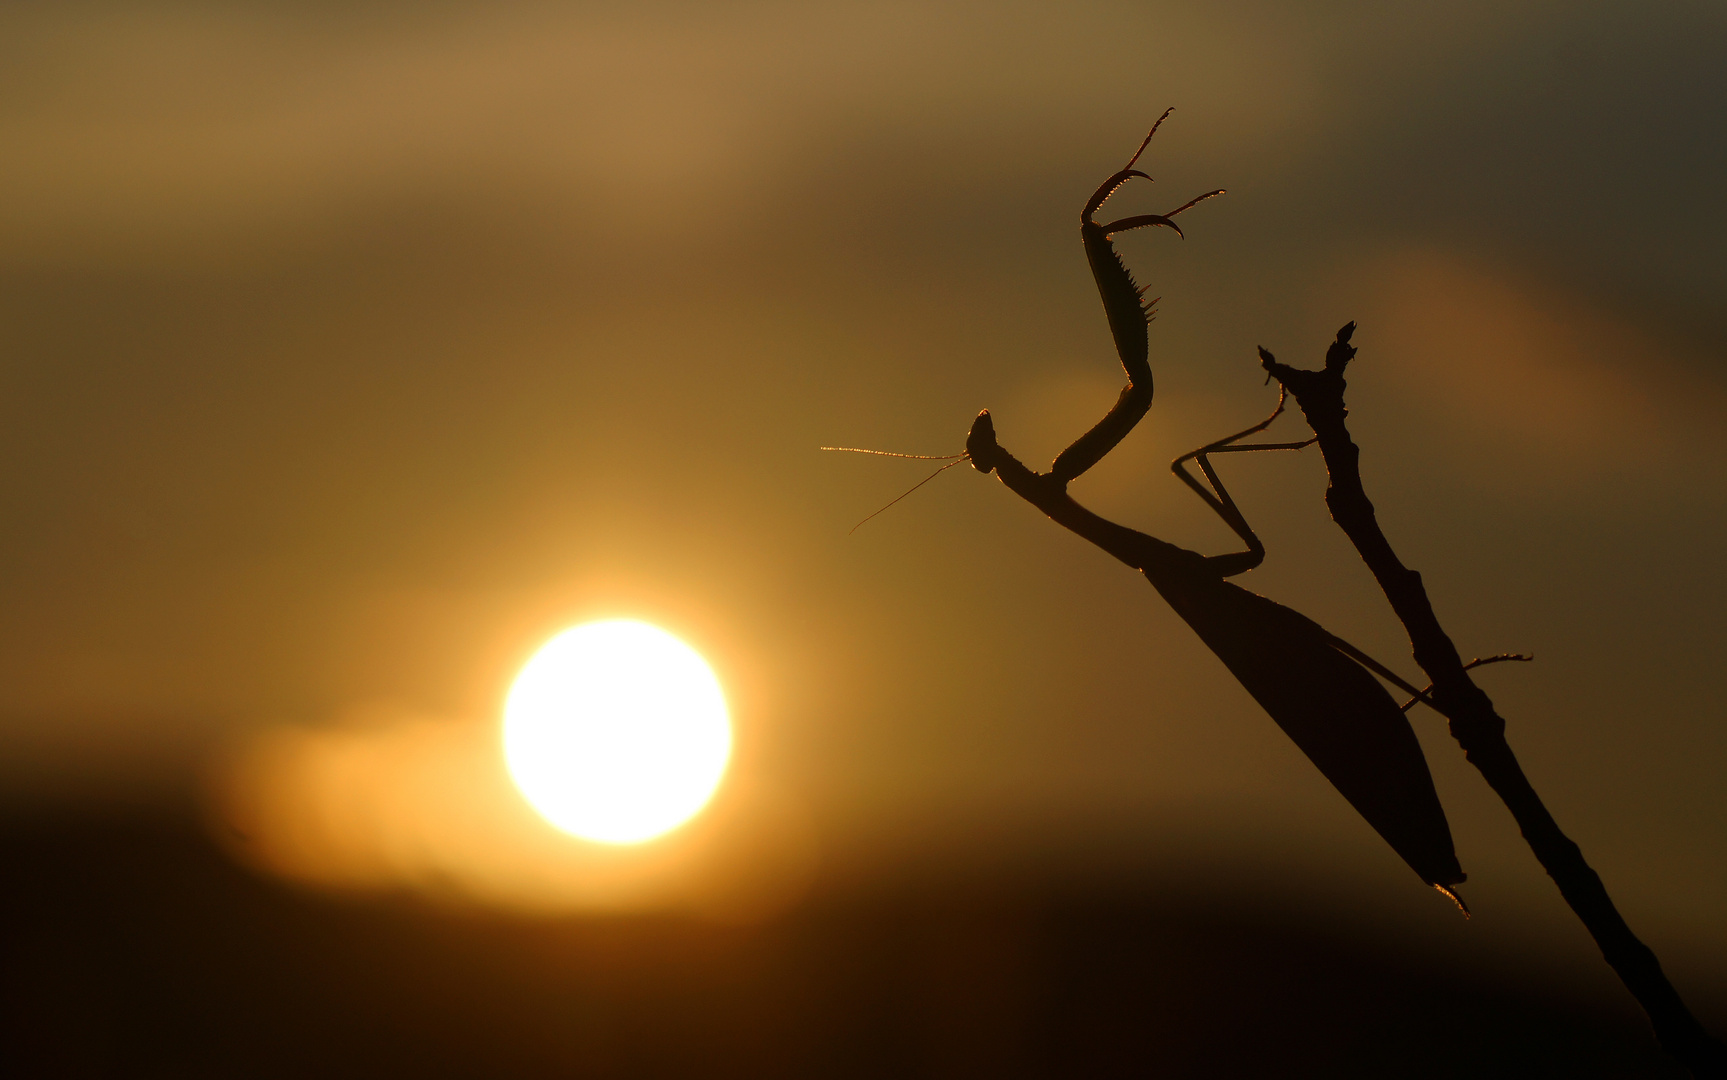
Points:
(617, 732)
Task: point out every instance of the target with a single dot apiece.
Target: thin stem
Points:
(1475, 724)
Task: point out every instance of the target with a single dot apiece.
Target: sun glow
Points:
(617, 732)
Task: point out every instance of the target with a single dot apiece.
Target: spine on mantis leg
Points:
(1123, 303)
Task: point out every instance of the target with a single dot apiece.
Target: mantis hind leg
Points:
(1217, 496)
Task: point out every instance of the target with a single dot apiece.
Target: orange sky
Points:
(348, 353)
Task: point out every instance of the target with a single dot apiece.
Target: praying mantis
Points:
(1318, 688)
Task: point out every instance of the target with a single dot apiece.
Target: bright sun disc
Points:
(617, 732)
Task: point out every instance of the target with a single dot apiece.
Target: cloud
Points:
(386, 800)
(1522, 381)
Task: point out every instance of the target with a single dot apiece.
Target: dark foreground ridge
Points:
(131, 947)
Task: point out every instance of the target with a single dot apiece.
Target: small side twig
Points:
(1475, 724)
(1479, 661)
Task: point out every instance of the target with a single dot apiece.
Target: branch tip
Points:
(1341, 352)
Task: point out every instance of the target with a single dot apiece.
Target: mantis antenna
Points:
(951, 459)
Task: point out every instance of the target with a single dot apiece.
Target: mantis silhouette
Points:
(1318, 688)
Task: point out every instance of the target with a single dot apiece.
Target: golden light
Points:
(617, 732)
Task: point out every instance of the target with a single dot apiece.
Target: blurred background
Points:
(350, 351)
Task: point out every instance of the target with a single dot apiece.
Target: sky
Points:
(349, 352)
